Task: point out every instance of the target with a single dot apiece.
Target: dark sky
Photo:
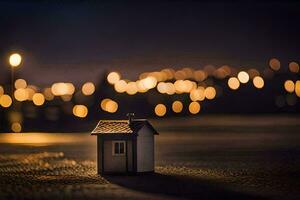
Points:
(75, 41)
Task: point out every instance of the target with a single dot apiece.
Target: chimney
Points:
(130, 117)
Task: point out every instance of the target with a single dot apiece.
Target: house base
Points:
(126, 173)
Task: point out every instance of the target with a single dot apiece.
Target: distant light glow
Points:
(197, 94)
(80, 111)
(294, 67)
(66, 97)
(149, 82)
(103, 103)
(184, 86)
(166, 88)
(21, 94)
(253, 73)
(297, 88)
(120, 86)
(258, 82)
(1, 91)
(5, 101)
(162, 87)
(16, 127)
(289, 86)
(274, 64)
(61, 88)
(141, 86)
(243, 77)
(88, 88)
(20, 83)
(160, 110)
(210, 93)
(38, 99)
(177, 106)
(194, 107)
(109, 105)
(131, 88)
(15, 60)
(30, 92)
(170, 88)
(200, 75)
(113, 77)
(233, 83)
(48, 94)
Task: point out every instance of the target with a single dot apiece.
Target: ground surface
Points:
(209, 158)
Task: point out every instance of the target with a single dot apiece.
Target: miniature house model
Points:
(125, 146)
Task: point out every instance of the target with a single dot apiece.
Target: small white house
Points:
(125, 146)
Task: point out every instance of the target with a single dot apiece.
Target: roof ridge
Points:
(113, 120)
(120, 126)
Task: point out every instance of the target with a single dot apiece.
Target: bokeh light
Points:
(141, 86)
(80, 111)
(294, 67)
(297, 88)
(15, 60)
(30, 92)
(120, 86)
(21, 94)
(197, 94)
(162, 87)
(194, 107)
(38, 99)
(200, 75)
(149, 82)
(210, 93)
(274, 64)
(109, 105)
(16, 127)
(20, 83)
(66, 97)
(88, 88)
(177, 106)
(289, 86)
(233, 83)
(170, 88)
(243, 77)
(1, 90)
(5, 101)
(103, 103)
(61, 88)
(253, 73)
(48, 94)
(131, 88)
(113, 77)
(258, 82)
(160, 110)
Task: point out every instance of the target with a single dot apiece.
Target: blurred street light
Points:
(15, 60)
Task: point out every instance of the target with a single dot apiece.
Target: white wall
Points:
(115, 163)
(145, 150)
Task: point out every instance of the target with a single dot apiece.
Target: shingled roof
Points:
(121, 126)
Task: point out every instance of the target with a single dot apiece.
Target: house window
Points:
(118, 148)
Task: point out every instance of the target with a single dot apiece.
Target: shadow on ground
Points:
(178, 186)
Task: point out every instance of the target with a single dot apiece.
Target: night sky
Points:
(76, 41)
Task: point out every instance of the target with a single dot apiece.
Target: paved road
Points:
(232, 161)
